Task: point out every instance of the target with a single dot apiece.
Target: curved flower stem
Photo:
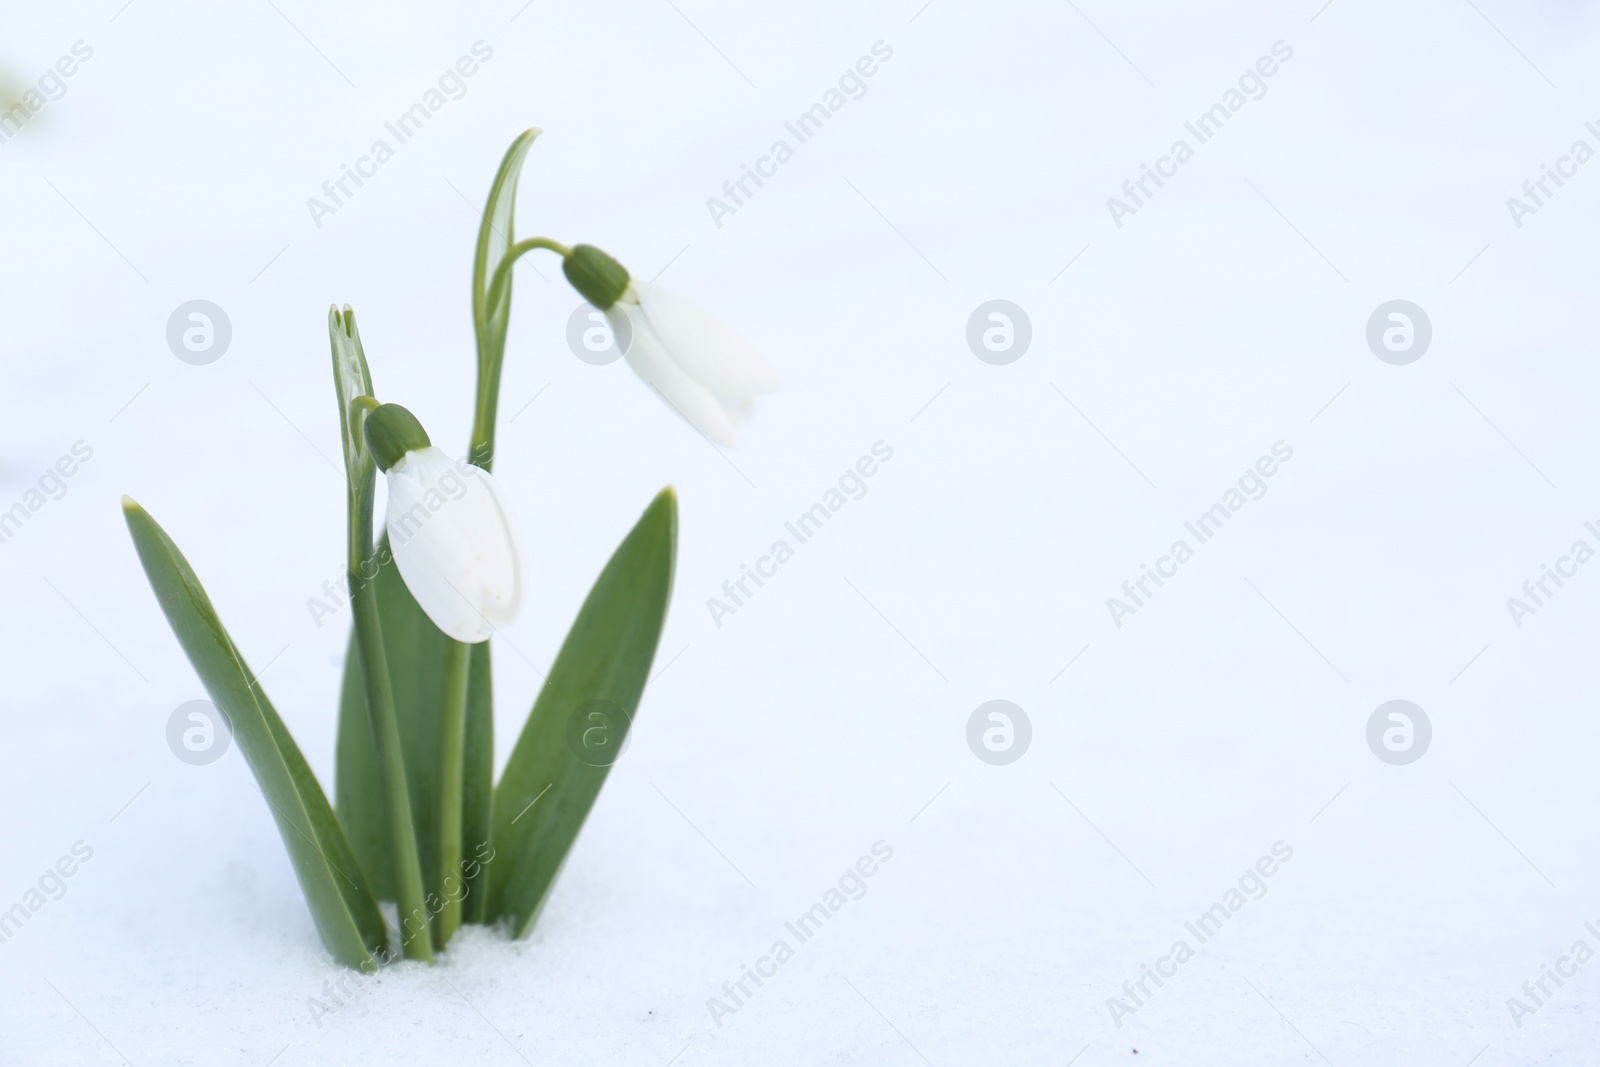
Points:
(452, 779)
(491, 354)
(361, 572)
(516, 252)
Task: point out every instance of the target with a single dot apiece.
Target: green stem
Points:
(452, 779)
(414, 938)
(516, 252)
(492, 353)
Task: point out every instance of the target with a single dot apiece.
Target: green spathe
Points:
(601, 279)
(392, 431)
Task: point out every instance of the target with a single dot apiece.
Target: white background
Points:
(1226, 315)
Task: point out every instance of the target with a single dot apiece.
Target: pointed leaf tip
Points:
(605, 658)
(335, 887)
(666, 500)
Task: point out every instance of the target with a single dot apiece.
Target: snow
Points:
(829, 712)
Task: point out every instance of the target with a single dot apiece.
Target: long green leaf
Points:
(546, 791)
(417, 657)
(336, 889)
(490, 322)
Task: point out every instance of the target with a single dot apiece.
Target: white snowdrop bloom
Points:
(697, 362)
(451, 530)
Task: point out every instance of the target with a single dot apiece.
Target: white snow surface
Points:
(780, 743)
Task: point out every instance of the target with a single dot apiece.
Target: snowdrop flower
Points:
(450, 529)
(698, 363)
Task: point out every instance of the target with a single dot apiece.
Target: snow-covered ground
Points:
(1184, 342)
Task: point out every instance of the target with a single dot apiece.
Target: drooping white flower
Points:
(697, 362)
(451, 530)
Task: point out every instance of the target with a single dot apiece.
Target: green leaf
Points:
(418, 657)
(490, 321)
(495, 237)
(336, 889)
(546, 791)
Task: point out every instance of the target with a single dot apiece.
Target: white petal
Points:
(505, 600)
(456, 543)
(651, 361)
(708, 349)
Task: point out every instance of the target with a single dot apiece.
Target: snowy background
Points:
(1169, 353)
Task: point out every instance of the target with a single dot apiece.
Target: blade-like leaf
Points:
(336, 889)
(418, 657)
(495, 238)
(546, 791)
(491, 319)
